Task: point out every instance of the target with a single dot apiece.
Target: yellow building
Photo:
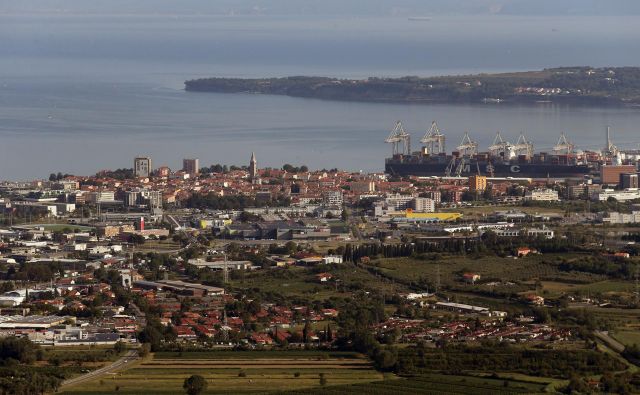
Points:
(477, 183)
(432, 217)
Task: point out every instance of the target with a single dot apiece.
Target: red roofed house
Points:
(471, 277)
(324, 277)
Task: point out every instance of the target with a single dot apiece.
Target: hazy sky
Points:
(329, 7)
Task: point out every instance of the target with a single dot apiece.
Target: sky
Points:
(328, 7)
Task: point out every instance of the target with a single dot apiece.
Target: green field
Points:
(434, 384)
(301, 282)
(491, 268)
(66, 227)
(257, 355)
(557, 288)
(246, 374)
(627, 336)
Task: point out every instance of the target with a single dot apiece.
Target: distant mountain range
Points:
(330, 7)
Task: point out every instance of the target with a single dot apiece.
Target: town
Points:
(247, 258)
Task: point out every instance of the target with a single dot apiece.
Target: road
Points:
(129, 358)
(609, 341)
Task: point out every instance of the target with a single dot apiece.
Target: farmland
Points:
(301, 282)
(490, 267)
(434, 384)
(248, 372)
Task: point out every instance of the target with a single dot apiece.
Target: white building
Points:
(363, 186)
(332, 259)
(531, 232)
(543, 195)
(399, 202)
(424, 205)
(65, 208)
(621, 196)
(333, 198)
(142, 167)
(622, 218)
(100, 196)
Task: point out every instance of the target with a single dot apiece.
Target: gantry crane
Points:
(563, 146)
(400, 140)
(467, 146)
(434, 140)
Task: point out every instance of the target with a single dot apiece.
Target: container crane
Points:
(467, 146)
(523, 146)
(434, 140)
(400, 140)
(500, 147)
(563, 146)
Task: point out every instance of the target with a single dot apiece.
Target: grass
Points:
(256, 355)
(163, 375)
(555, 288)
(301, 282)
(490, 268)
(159, 246)
(61, 227)
(626, 336)
(435, 384)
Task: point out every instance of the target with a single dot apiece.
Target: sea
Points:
(83, 92)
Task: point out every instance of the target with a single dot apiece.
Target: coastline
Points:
(581, 86)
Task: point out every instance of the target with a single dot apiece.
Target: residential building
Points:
(423, 205)
(621, 196)
(621, 218)
(362, 186)
(333, 198)
(191, 166)
(629, 180)
(545, 195)
(142, 167)
(530, 232)
(477, 183)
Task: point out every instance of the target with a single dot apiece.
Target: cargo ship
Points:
(502, 159)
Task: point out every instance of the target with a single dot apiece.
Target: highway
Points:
(129, 358)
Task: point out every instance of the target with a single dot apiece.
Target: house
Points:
(185, 332)
(524, 251)
(330, 312)
(534, 299)
(471, 278)
(323, 277)
(281, 336)
(261, 338)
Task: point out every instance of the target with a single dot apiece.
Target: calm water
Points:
(84, 93)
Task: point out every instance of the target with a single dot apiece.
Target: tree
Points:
(144, 350)
(195, 384)
(136, 239)
(119, 347)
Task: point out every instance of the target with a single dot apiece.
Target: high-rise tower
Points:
(253, 167)
(142, 167)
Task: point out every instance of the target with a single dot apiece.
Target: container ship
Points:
(503, 158)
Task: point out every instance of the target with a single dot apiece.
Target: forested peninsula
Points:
(571, 85)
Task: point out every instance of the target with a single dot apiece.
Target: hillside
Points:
(575, 85)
